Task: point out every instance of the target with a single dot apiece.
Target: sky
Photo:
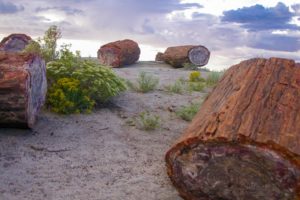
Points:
(232, 30)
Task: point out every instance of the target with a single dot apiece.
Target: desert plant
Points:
(147, 121)
(47, 45)
(195, 76)
(188, 112)
(190, 66)
(100, 82)
(145, 83)
(197, 86)
(179, 87)
(213, 77)
(66, 97)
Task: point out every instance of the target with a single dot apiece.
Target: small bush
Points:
(147, 121)
(197, 86)
(145, 83)
(100, 82)
(66, 97)
(213, 78)
(187, 113)
(179, 87)
(190, 66)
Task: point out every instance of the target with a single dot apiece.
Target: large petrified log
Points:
(119, 53)
(178, 56)
(244, 142)
(15, 42)
(23, 87)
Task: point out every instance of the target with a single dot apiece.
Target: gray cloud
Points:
(9, 8)
(274, 42)
(257, 17)
(65, 9)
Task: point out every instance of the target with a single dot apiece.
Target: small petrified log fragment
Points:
(244, 142)
(119, 53)
(15, 42)
(23, 87)
(178, 56)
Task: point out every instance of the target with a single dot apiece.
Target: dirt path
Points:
(97, 156)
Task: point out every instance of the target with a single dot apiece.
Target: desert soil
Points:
(98, 156)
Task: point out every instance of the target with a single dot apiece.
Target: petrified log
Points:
(119, 53)
(23, 87)
(178, 56)
(244, 143)
(15, 42)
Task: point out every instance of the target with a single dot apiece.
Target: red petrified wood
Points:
(178, 56)
(15, 42)
(119, 53)
(244, 143)
(23, 87)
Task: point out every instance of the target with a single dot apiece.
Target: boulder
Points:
(14, 42)
(119, 53)
(244, 143)
(23, 87)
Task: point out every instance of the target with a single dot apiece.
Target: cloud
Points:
(9, 8)
(257, 17)
(65, 9)
(274, 42)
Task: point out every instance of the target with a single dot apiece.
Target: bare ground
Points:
(97, 156)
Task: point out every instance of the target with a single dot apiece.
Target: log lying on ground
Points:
(180, 55)
(14, 42)
(244, 143)
(23, 87)
(119, 53)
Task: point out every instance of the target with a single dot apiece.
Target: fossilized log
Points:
(180, 55)
(119, 53)
(244, 143)
(23, 87)
(15, 42)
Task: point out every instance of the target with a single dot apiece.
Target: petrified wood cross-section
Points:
(244, 143)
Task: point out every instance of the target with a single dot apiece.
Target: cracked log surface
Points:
(23, 87)
(244, 143)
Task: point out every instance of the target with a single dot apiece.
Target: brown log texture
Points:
(178, 56)
(119, 53)
(244, 143)
(23, 87)
(15, 42)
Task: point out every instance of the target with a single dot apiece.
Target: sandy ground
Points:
(97, 156)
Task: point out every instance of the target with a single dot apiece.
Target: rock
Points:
(14, 42)
(23, 87)
(159, 56)
(178, 56)
(119, 53)
(244, 142)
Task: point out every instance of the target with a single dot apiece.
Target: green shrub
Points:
(197, 86)
(145, 83)
(213, 77)
(100, 82)
(46, 46)
(190, 66)
(147, 121)
(179, 87)
(188, 112)
(66, 97)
